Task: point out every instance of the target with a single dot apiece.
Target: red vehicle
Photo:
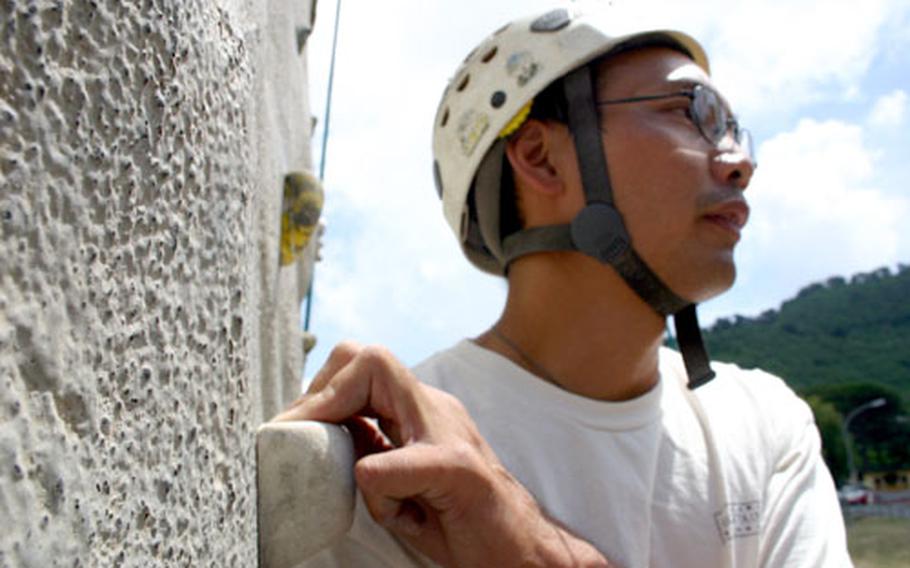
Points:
(855, 495)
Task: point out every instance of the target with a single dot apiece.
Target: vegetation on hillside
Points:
(839, 344)
(834, 332)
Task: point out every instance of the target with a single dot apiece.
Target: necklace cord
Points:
(529, 361)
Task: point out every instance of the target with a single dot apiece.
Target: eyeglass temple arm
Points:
(689, 94)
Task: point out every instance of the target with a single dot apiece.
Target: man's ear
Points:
(530, 152)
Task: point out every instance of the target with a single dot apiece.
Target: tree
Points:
(882, 441)
(828, 420)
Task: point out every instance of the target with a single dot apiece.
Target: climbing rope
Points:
(325, 144)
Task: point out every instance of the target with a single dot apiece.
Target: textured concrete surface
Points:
(145, 328)
(306, 490)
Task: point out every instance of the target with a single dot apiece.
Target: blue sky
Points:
(824, 85)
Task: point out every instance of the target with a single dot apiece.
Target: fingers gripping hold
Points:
(341, 355)
(425, 471)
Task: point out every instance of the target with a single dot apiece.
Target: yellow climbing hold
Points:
(300, 210)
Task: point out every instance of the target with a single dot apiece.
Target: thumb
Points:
(400, 489)
(388, 478)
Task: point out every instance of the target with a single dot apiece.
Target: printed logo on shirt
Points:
(738, 520)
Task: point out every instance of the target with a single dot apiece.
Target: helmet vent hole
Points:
(463, 83)
(490, 54)
(445, 118)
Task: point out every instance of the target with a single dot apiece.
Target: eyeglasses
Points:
(709, 114)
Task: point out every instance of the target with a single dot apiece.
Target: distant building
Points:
(887, 481)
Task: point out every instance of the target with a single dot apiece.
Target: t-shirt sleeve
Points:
(803, 524)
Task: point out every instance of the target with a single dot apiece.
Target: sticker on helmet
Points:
(552, 21)
(471, 127)
(522, 66)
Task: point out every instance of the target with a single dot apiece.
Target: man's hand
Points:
(425, 472)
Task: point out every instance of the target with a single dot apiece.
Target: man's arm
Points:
(803, 521)
(426, 474)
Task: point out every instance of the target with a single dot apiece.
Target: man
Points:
(604, 176)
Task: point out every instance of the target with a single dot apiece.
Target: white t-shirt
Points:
(729, 475)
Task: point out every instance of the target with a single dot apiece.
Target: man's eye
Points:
(680, 109)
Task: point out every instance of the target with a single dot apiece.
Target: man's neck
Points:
(580, 324)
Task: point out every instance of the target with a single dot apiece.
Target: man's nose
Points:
(734, 165)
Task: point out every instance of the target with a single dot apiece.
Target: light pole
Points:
(874, 403)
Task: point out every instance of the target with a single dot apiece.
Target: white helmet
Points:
(491, 95)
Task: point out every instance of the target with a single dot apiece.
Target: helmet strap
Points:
(487, 204)
(692, 347)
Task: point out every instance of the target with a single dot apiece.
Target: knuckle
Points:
(372, 473)
(376, 354)
(379, 359)
(464, 460)
(453, 402)
(462, 453)
(345, 350)
(365, 473)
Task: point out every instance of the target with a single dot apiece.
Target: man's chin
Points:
(710, 283)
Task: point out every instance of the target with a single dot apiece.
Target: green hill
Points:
(835, 332)
(839, 344)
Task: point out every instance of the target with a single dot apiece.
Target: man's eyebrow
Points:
(669, 86)
(682, 84)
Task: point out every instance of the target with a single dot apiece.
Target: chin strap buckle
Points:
(598, 231)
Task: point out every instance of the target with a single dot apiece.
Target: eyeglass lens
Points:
(710, 114)
(714, 120)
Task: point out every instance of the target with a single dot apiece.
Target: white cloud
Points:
(888, 111)
(768, 49)
(776, 55)
(818, 211)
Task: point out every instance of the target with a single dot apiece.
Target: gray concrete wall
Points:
(145, 326)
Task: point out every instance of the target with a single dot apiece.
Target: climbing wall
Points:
(146, 328)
